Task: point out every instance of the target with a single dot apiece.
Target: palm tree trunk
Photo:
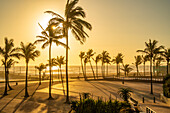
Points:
(107, 69)
(137, 70)
(117, 69)
(50, 97)
(26, 82)
(102, 69)
(85, 71)
(10, 88)
(167, 66)
(67, 84)
(58, 74)
(82, 67)
(96, 71)
(159, 69)
(39, 77)
(125, 73)
(144, 69)
(52, 76)
(154, 68)
(151, 75)
(6, 80)
(92, 70)
(62, 80)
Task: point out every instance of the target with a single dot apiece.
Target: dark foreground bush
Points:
(166, 86)
(98, 106)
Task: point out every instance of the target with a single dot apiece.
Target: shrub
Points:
(166, 86)
(99, 106)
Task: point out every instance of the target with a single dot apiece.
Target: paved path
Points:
(106, 88)
(38, 103)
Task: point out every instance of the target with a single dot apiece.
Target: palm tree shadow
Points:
(28, 103)
(11, 99)
(104, 89)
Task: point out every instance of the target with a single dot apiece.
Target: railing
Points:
(139, 79)
(149, 110)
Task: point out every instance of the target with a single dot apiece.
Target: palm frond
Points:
(77, 36)
(84, 23)
(53, 13)
(45, 44)
(60, 43)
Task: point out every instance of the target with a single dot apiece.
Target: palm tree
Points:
(53, 63)
(40, 68)
(49, 37)
(97, 59)
(108, 61)
(150, 49)
(118, 59)
(28, 52)
(166, 55)
(8, 52)
(104, 56)
(90, 55)
(60, 61)
(144, 59)
(86, 60)
(126, 69)
(125, 93)
(138, 61)
(158, 63)
(81, 55)
(9, 63)
(155, 55)
(73, 21)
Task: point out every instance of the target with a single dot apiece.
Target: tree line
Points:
(58, 27)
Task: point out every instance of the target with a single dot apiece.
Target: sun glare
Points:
(53, 68)
(53, 27)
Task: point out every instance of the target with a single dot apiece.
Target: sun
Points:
(44, 20)
(54, 27)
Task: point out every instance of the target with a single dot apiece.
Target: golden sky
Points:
(118, 25)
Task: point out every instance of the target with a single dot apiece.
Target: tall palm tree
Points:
(126, 69)
(158, 63)
(82, 55)
(104, 56)
(28, 52)
(61, 61)
(97, 59)
(74, 21)
(138, 61)
(118, 59)
(50, 36)
(9, 63)
(144, 59)
(8, 52)
(125, 93)
(151, 47)
(166, 55)
(90, 55)
(40, 68)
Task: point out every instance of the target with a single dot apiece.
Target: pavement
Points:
(38, 103)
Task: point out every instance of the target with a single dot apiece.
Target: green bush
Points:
(99, 106)
(166, 86)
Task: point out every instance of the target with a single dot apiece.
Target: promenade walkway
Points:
(38, 103)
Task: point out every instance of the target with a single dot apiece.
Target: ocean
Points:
(76, 70)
